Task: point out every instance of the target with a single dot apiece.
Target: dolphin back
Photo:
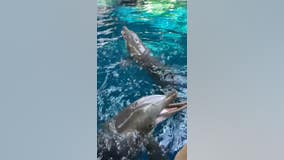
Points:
(154, 150)
(113, 146)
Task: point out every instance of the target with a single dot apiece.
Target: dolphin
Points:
(141, 55)
(128, 132)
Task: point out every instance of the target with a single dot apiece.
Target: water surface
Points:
(162, 26)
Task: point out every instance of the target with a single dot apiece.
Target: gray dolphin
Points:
(141, 55)
(128, 132)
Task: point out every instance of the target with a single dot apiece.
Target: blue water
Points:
(162, 26)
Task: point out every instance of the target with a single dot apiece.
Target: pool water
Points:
(162, 27)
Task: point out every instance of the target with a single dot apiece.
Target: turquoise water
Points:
(162, 26)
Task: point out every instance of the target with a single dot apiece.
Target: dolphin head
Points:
(145, 113)
(133, 42)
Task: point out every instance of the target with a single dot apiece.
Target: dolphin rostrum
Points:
(127, 133)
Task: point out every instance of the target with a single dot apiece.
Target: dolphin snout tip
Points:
(124, 28)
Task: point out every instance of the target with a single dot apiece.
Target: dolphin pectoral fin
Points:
(154, 151)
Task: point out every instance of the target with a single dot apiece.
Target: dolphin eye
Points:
(134, 105)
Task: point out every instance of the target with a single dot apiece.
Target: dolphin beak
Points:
(125, 28)
(171, 108)
(123, 34)
(124, 31)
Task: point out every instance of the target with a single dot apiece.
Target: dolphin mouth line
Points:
(171, 108)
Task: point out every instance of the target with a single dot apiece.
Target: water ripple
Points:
(163, 29)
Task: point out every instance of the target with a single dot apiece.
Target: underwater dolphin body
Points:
(141, 55)
(128, 133)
